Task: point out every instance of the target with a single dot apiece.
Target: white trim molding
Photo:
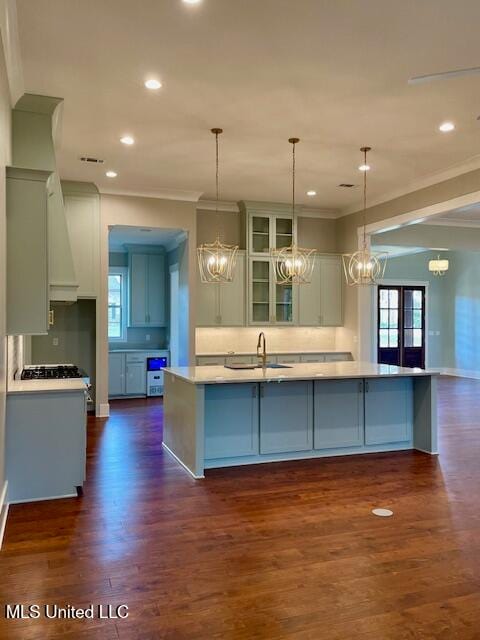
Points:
(3, 511)
(103, 410)
(161, 194)
(182, 464)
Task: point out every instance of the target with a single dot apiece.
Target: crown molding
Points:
(162, 194)
(211, 205)
(429, 180)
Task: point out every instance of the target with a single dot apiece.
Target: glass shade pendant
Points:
(364, 266)
(293, 265)
(439, 266)
(217, 260)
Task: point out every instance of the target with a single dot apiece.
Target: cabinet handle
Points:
(360, 386)
(367, 386)
(254, 391)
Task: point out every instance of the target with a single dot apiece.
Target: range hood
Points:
(35, 130)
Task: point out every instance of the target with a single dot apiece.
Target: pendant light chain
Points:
(365, 198)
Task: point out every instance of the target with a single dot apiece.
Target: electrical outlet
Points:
(147, 337)
(55, 342)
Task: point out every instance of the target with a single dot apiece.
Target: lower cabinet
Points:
(231, 420)
(135, 378)
(116, 374)
(338, 411)
(388, 410)
(286, 416)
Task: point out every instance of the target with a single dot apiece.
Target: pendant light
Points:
(217, 260)
(293, 265)
(364, 266)
(439, 266)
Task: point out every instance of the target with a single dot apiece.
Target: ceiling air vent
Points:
(346, 185)
(92, 160)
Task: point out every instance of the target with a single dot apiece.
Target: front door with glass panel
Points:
(401, 326)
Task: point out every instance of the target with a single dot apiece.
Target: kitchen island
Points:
(220, 417)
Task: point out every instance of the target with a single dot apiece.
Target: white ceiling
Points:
(333, 73)
(121, 235)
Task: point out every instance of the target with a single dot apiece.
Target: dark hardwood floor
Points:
(288, 550)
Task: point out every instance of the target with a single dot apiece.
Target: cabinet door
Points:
(260, 291)
(156, 291)
(338, 411)
(231, 420)
(282, 232)
(136, 380)
(138, 289)
(331, 291)
(309, 309)
(286, 416)
(388, 410)
(27, 253)
(208, 312)
(260, 233)
(116, 374)
(232, 297)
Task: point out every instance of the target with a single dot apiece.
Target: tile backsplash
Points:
(224, 339)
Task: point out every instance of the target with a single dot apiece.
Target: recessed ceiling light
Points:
(111, 174)
(128, 140)
(364, 167)
(311, 193)
(445, 127)
(192, 1)
(153, 84)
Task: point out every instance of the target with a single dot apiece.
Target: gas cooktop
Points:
(52, 372)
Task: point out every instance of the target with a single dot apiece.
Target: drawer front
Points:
(136, 357)
(312, 357)
(205, 361)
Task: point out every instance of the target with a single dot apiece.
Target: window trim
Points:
(121, 271)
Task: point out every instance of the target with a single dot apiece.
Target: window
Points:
(117, 303)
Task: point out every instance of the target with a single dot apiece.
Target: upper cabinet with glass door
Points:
(269, 231)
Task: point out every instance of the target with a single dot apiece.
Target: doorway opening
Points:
(401, 321)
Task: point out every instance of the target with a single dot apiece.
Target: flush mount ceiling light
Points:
(128, 140)
(293, 265)
(217, 260)
(438, 267)
(153, 84)
(192, 1)
(111, 174)
(363, 266)
(445, 127)
(311, 193)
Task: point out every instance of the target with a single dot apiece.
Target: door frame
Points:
(173, 268)
(397, 283)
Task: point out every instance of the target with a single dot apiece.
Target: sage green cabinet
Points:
(339, 416)
(147, 290)
(388, 410)
(28, 299)
(222, 304)
(116, 374)
(268, 231)
(269, 303)
(320, 303)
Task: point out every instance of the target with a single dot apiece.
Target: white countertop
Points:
(45, 386)
(283, 352)
(304, 371)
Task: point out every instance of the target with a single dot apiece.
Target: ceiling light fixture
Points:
(217, 260)
(438, 267)
(311, 193)
(192, 1)
(128, 140)
(153, 84)
(445, 127)
(363, 266)
(293, 265)
(111, 174)
(364, 167)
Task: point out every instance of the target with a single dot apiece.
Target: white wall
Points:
(5, 159)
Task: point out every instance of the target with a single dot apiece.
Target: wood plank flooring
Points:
(270, 552)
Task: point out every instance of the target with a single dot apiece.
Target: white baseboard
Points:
(461, 373)
(168, 450)
(103, 411)
(3, 511)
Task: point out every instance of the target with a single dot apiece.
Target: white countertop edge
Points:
(45, 386)
(306, 371)
(284, 352)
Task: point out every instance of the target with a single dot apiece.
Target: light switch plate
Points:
(55, 342)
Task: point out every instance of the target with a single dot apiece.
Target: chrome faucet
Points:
(262, 344)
